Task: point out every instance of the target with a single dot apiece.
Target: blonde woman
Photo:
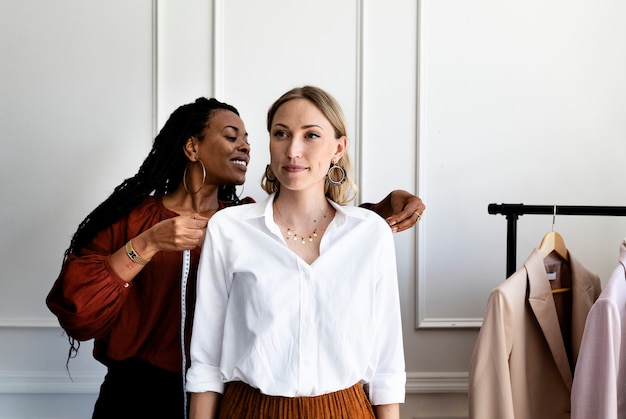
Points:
(298, 313)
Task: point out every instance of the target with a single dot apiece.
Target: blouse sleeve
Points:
(88, 294)
(389, 380)
(210, 311)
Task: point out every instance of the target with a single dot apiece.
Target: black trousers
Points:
(136, 389)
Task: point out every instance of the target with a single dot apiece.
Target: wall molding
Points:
(422, 320)
(359, 93)
(44, 382)
(32, 322)
(155, 68)
(218, 49)
(436, 382)
(447, 323)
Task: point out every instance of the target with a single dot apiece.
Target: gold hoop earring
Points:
(185, 177)
(334, 169)
(269, 175)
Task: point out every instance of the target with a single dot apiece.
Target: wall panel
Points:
(76, 111)
(518, 103)
(266, 49)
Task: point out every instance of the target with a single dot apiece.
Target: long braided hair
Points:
(160, 173)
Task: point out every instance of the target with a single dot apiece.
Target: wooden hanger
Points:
(553, 241)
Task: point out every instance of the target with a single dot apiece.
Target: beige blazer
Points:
(520, 367)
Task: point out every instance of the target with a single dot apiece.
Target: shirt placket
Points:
(307, 332)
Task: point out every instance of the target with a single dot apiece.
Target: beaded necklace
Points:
(291, 233)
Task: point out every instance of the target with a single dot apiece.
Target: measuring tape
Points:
(183, 316)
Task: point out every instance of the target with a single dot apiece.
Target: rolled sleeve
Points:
(202, 378)
(387, 389)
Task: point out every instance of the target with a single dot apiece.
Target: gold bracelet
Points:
(134, 256)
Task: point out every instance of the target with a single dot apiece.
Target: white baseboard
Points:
(34, 382)
(436, 382)
(29, 322)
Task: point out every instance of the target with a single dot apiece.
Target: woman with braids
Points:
(134, 259)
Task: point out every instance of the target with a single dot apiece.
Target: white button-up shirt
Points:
(266, 317)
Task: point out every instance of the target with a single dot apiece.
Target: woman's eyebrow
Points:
(313, 126)
(245, 134)
(304, 126)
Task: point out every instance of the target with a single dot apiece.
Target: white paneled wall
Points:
(76, 111)
(463, 103)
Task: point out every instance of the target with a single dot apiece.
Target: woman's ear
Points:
(342, 144)
(191, 148)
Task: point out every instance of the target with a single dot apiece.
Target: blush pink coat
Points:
(599, 388)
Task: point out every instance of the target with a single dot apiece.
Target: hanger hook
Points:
(553, 217)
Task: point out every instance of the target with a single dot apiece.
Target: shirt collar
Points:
(265, 210)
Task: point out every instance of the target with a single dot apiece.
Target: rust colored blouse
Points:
(137, 319)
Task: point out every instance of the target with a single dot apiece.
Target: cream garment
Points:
(520, 367)
(599, 388)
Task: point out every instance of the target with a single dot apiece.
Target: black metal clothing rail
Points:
(513, 211)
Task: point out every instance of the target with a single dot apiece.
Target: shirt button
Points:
(126, 285)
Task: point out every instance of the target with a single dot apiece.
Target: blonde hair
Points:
(331, 109)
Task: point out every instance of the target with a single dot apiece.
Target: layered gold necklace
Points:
(291, 233)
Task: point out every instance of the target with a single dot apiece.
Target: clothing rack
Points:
(513, 211)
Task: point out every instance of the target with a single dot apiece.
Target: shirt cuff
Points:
(203, 378)
(387, 389)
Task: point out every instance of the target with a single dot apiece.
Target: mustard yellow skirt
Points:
(240, 401)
